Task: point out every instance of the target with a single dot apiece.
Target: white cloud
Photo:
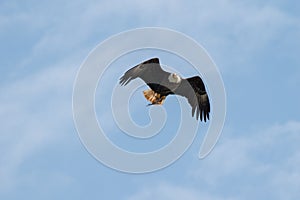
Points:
(164, 191)
(262, 164)
(256, 165)
(226, 28)
(35, 112)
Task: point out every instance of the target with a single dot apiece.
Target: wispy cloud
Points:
(228, 29)
(35, 112)
(165, 191)
(259, 164)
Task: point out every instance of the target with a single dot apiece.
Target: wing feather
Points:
(194, 90)
(149, 71)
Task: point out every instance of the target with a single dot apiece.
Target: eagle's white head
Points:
(174, 78)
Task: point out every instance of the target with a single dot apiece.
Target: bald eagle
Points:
(163, 83)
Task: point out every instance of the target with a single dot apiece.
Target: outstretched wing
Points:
(149, 71)
(194, 90)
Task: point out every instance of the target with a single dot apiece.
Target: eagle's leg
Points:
(154, 98)
(160, 100)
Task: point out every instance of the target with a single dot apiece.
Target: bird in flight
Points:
(163, 83)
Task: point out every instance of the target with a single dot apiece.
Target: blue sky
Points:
(256, 46)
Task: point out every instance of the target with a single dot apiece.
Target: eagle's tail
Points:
(153, 97)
